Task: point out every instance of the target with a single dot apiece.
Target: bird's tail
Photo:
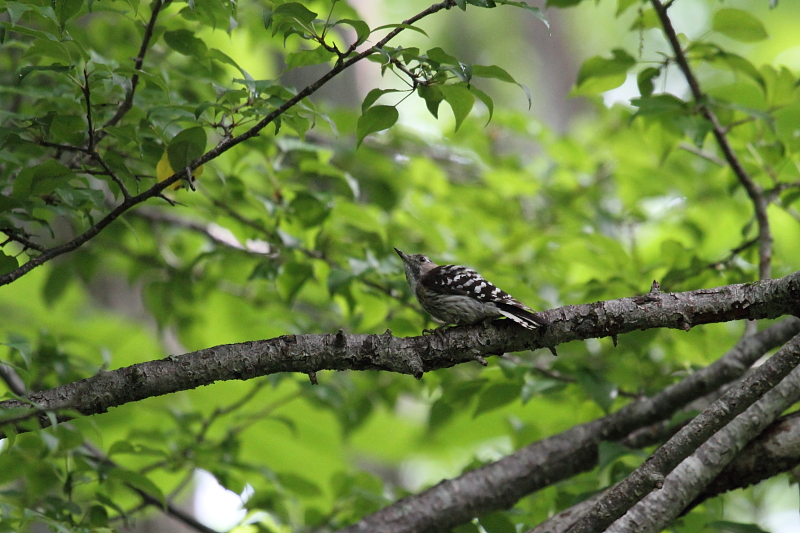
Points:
(522, 317)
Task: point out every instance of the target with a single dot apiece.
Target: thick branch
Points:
(652, 473)
(687, 480)
(225, 145)
(501, 484)
(415, 355)
(753, 190)
(774, 451)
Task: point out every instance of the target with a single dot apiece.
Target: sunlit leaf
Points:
(739, 25)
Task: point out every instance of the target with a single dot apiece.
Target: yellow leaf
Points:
(164, 171)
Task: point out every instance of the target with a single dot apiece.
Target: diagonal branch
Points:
(753, 190)
(225, 145)
(652, 473)
(688, 479)
(776, 450)
(543, 463)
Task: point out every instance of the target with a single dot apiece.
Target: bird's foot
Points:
(435, 331)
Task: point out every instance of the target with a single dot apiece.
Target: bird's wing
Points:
(456, 279)
(463, 281)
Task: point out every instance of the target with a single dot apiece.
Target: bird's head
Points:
(416, 266)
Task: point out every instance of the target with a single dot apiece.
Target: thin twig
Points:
(14, 235)
(147, 498)
(752, 189)
(87, 97)
(733, 253)
(137, 65)
(692, 149)
(94, 155)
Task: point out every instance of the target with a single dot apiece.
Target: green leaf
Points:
(599, 74)
(375, 119)
(68, 129)
(185, 147)
(460, 100)
(296, 11)
(433, 96)
(608, 452)
(497, 523)
(645, 80)
(497, 395)
(538, 386)
(439, 414)
(361, 28)
(603, 392)
(493, 71)
(727, 526)
(7, 263)
(304, 58)
(309, 209)
(96, 516)
(404, 26)
(440, 56)
(659, 104)
(184, 42)
(299, 484)
(218, 55)
(154, 79)
(23, 72)
(535, 11)
(292, 279)
(268, 16)
(562, 3)
(646, 19)
(739, 25)
(41, 179)
(623, 5)
(8, 203)
(373, 96)
(137, 481)
(66, 9)
(740, 65)
(57, 282)
(485, 98)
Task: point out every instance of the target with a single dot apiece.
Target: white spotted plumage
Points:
(455, 294)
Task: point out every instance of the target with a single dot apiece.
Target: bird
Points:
(458, 295)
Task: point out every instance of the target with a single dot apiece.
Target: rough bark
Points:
(411, 355)
(501, 484)
(652, 473)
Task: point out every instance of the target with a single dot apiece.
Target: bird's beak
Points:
(403, 256)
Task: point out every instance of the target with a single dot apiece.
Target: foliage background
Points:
(575, 201)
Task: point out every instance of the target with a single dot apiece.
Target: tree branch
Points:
(776, 450)
(415, 355)
(689, 478)
(224, 145)
(652, 473)
(148, 499)
(137, 65)
(543, 463)
(753, 190)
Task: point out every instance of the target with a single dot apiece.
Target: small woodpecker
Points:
(458, 295)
